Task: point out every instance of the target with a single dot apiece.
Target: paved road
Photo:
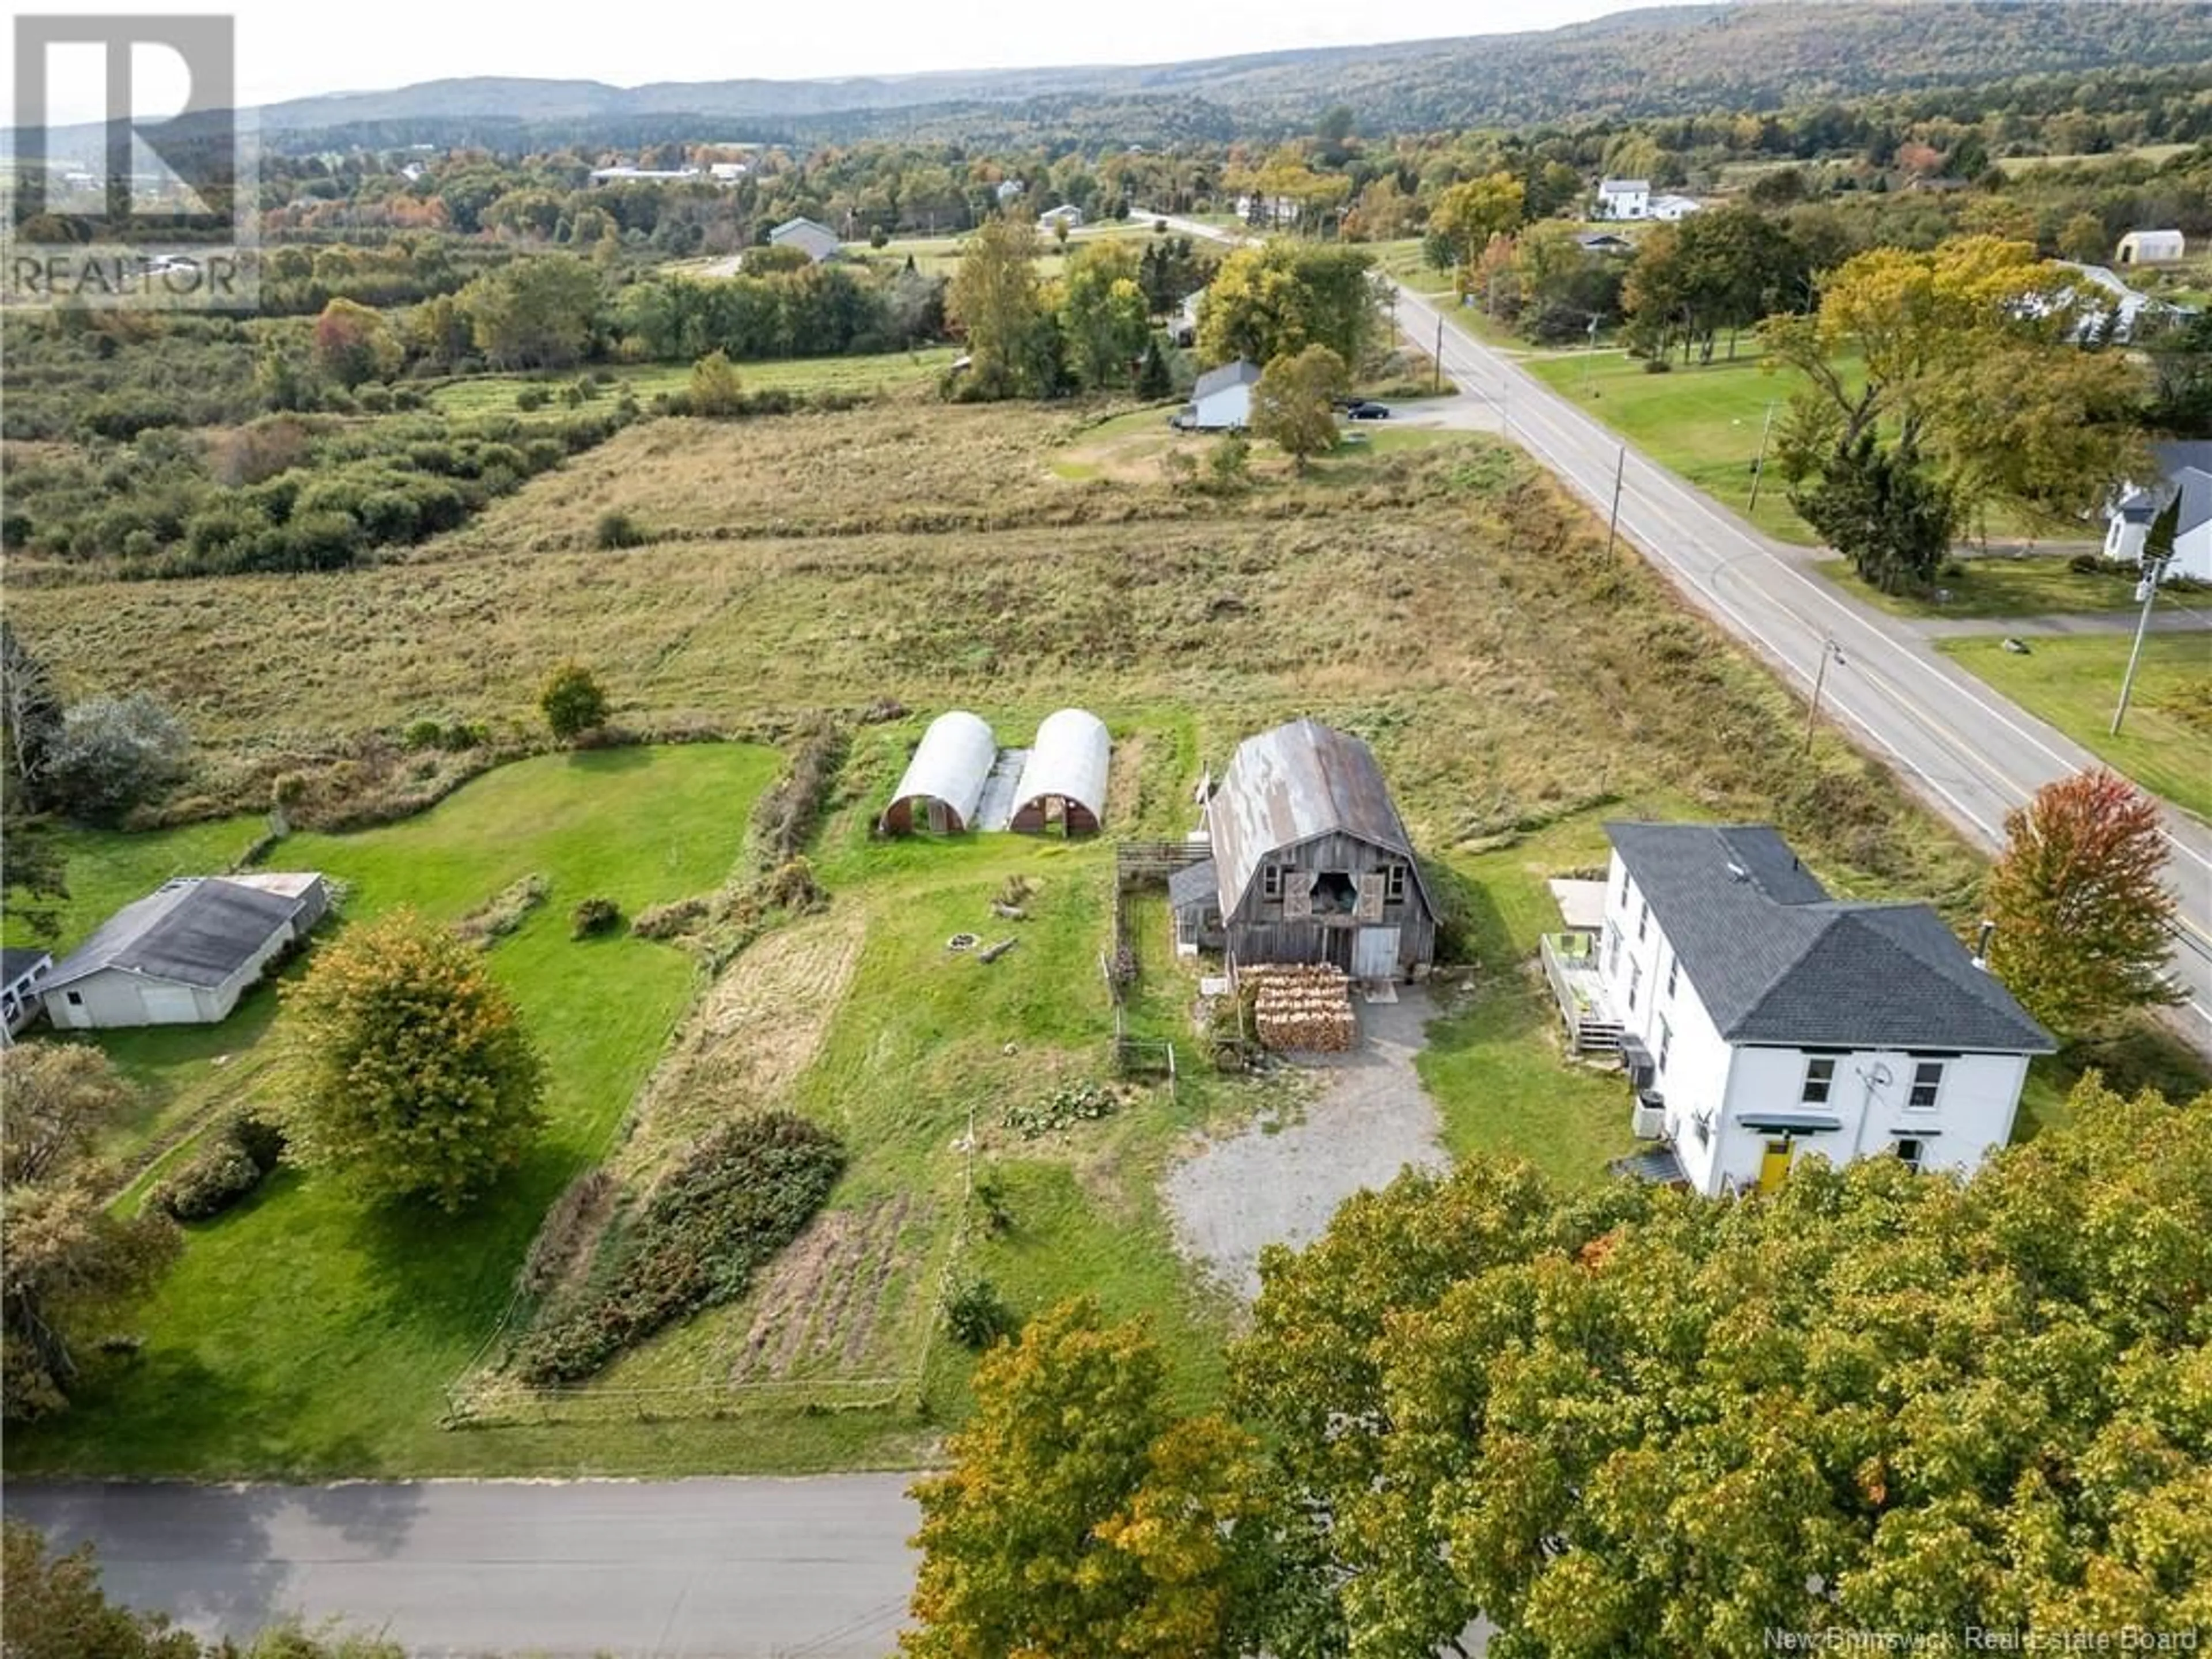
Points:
(725, 1568)
(1972, 753)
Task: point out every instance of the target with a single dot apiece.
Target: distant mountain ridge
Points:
(1667, 61)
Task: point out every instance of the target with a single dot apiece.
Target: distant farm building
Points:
(1222, 399)
(631, 175)
(2151, 247)
(1310, 862)
(1624, 198)
(1064, 780)
(1063, 215)
(184, 954)
(960, 780)
(816, 240)
(1672, 208)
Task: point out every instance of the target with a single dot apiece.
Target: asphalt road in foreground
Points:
(1972, 754)
(707, 1569)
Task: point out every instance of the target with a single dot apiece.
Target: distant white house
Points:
(2150, 247)
(1671, 207)
(1762, 1021)
(2185, 472)
(413, 171)
(1064, 214)
(624, 173)
(1624, 198)
(22, 969)
(727, 172)
(184, 954)
(816, 240)
(1267, 210)
(1008, 189)
(1221, 401)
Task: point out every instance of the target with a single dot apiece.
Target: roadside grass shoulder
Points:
(2075, 683)
(2026, 585)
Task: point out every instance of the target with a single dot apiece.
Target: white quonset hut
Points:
(2151, 247)
(944, 780)
(1063, 781)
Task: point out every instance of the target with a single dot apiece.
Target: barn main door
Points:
(1375, 953)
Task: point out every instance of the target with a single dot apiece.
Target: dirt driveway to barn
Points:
(1269, 1184)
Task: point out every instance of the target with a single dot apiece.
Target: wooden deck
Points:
(1571, 965)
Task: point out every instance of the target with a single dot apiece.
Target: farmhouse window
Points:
(1673, 973)
(1927, 1085)
(1270, 882)
(75, 999)
(1624, 888)
(1396, 892)
(1643, 922)
(1820, 1077)
(1635, 979)
(1911, 1151)
(1666, 1041)
(1612, 949)
(1334, 893)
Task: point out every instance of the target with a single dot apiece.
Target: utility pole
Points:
(2146, 591)
(1440, 351)
(1612, 523)
(1830, 652)
(1758, 467)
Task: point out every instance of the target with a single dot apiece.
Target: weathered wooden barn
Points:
(1310, 861)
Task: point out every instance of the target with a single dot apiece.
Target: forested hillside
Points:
(1678, 60)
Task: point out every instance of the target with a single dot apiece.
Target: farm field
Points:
(890, 371)
(882, 564)
(2166, 743)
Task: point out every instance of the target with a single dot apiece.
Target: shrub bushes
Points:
(618, 530)
(230, 1165)
(493, 921)
(737, 1198)
(786, 816)
(593, 917)
(562, 1237)
(976, 1315)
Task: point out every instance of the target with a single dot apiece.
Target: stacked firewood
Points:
(1303, 1007)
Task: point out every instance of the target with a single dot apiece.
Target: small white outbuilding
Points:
(2151, 247)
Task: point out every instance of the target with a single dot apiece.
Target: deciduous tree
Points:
(112, 753)
(353, 344)
(536, 312)
(1079, 1519)
(1277, 298)
(416, 1077)
(1104, 313)
(30, 715)
(572, 702)
(1293, 404)
(1639, 1424)
(995, 299)
(2084, 920)
(1471, 213)
(715, 390)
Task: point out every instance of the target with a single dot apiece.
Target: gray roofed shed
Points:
(1776, 960)
(194, 932)
(947, 775)
(1290, 784)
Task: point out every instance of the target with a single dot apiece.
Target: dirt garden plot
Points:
(819, 1311)
(1278, 1183)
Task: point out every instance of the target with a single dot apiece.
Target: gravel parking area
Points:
(1369, 1119)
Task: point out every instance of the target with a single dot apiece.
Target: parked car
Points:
(1363, 410)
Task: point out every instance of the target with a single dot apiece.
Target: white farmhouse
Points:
(1624, 198)
(1762, 1021)
(2185, 472)
(1221, 401)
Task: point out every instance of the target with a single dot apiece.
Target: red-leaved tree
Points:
(2084, 919)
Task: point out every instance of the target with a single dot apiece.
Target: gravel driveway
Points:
(1367, 1120)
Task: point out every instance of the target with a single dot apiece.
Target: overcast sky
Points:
(296, 48)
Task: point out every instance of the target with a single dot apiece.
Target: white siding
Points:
(1228, 408)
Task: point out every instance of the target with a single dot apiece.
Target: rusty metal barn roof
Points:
(949, 764)
(1290, 784)
(1070, 760)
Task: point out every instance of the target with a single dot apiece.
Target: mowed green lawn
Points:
(2000, 585)
(494, 394)
(2075, 683)
(306, 1335)
(1702, 422)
